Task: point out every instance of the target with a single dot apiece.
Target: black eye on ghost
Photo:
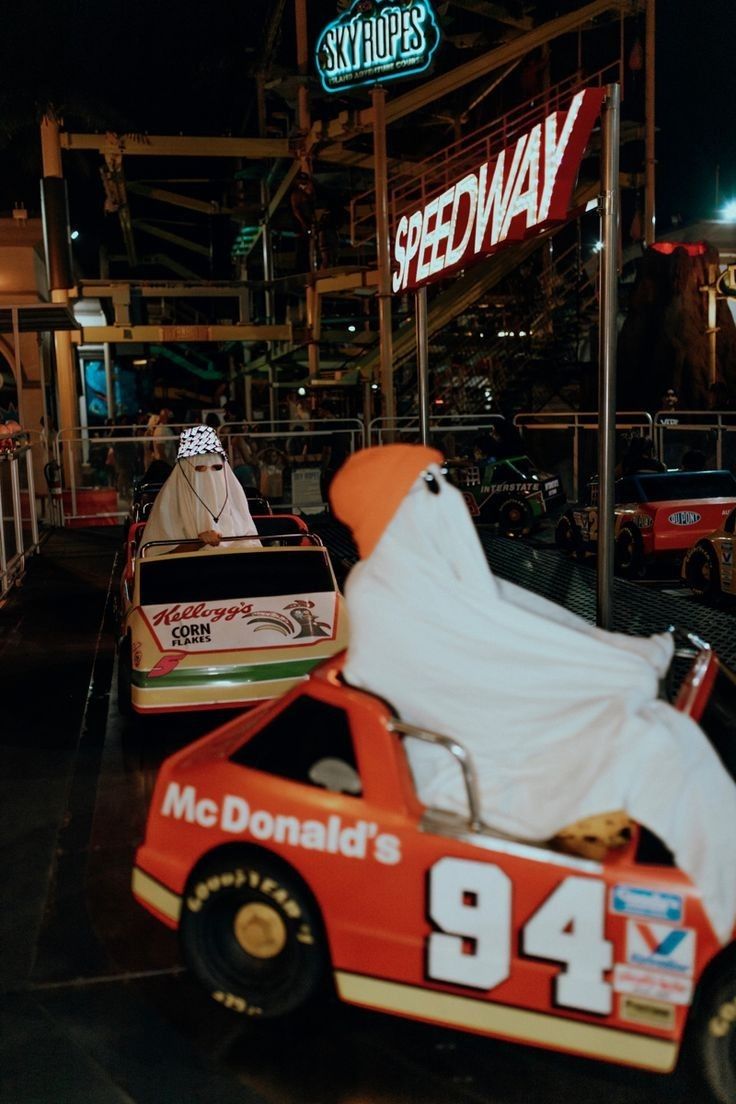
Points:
(207, 467)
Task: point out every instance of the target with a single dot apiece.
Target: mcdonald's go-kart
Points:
(708, 565)
(658, 515)
(510, 493)
(290, 850)
(205, 628)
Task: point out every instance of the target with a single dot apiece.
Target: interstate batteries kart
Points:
(205, 628)
(289, 848)
(511, 493)
(657, 515)
(708, 565)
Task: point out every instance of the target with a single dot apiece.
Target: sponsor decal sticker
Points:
(652, 984)
(358, 839)
(684, 517)
(660, 947)
(650, 1012)
(236, 624)
(727, 553)
(653, 904)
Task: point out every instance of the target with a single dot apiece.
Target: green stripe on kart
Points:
(261, 672)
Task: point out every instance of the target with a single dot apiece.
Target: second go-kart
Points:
(289, 849)
(225, 628)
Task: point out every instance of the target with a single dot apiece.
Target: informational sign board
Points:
(376, 41)
(525, 188)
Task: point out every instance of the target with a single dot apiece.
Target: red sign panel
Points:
(527, 187)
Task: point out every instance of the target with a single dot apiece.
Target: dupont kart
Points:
(511, 493)
(205, 628)
(657, 515)
(708, 565)
(289, 849)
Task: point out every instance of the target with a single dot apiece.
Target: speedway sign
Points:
(526, 187)
(376, 40)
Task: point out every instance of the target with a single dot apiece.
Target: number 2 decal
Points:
(470, 902)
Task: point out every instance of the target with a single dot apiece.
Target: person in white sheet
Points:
(201, 499)
(561, 718)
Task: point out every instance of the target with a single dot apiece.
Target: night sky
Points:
(130, 65)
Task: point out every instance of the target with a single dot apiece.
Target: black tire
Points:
(629, 552)
(712, 1030)
(125, 677)
(702, 572)
(515, 518)
(258, 952)
(568, 537)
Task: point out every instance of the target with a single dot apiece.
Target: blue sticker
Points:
(654, 904)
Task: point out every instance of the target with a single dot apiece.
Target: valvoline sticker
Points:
(660, 947)
(684, 517)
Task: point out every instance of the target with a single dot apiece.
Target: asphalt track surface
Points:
(96, 1007)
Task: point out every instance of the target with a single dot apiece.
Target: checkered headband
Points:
(198, 440)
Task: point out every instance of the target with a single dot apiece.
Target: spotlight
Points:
(352, 328)
(74, 235)
(301, 391)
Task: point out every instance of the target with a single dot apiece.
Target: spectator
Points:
(693, 459)
(639, 457)
(164, 439)
(302, 200)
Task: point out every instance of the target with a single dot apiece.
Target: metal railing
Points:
(286, 461)
(449, 433)
(711, 432)
(575, 456)
(19, 528)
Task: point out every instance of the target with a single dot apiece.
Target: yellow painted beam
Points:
(96, 335)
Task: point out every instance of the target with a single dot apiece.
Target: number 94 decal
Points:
(470, 903)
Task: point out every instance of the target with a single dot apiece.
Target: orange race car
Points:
(658, 515)
(289, 846)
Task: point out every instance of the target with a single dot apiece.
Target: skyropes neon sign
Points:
(526, 187)
(376, 40)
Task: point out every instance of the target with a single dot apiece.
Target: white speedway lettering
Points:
(172, 614)
(527, 186)
(235, 816)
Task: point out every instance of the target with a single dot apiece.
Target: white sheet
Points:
(178, 513)
(561, 718)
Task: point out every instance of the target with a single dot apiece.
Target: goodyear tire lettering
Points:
(720, 1024)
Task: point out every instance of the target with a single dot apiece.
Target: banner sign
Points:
(526, 187)
(243, 623)
(376, 40)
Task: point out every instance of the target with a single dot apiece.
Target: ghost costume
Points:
(561, 718)
(192, 502)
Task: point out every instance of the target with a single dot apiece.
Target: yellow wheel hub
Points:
(260, 930)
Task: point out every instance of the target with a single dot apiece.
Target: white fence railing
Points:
(288, 462)
(19, 528)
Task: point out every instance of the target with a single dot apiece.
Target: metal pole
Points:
(66, 367)
(420, 302)
(650, 233)
(385, 328)
(18, 366)
(609, 211)
(712, 330)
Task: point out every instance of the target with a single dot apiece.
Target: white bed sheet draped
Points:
(177, 513)
(562, 718)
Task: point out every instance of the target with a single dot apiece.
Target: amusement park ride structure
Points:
(272, 314)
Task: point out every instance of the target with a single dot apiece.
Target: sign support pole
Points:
(420, 302)
(609, 206)
(385, 328)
